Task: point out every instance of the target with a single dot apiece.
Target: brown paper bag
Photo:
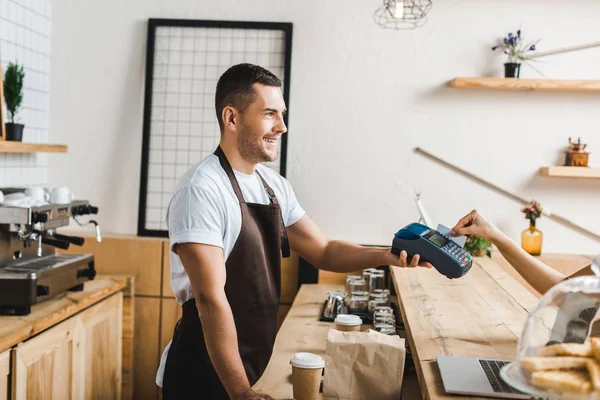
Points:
(363, 365)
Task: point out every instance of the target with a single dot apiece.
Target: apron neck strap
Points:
(234, 183)
(285, 246)
(229, 171)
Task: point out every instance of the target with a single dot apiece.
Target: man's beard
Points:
(249, 148)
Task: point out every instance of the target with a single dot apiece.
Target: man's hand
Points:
(475, 224)
(252, 395)
(401, 261)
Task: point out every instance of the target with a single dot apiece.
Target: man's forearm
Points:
(539, 275)
(340, 256)
(220, 336)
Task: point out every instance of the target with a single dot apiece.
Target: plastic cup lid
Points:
(307, 360)
(348, 319)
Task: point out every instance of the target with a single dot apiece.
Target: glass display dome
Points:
(556, 356)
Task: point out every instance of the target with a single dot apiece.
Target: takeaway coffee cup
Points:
(348, 323)
(307, 369)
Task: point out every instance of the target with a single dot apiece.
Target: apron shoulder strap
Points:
(270, 192)
(229, 171)
(285, 243)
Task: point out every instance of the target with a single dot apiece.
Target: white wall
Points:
(361, 99)
(25, 39)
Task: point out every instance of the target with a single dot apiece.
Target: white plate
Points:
(511, 375)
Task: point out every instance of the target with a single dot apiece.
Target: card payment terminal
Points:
(446, 256)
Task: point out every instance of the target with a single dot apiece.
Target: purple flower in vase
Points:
(515, 47)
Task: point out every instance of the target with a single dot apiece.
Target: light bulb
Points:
(399, 10)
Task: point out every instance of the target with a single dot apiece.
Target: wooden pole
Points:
(2, 120)
(552, 216)
(565, 49)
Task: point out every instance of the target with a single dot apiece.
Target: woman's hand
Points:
(475, 224)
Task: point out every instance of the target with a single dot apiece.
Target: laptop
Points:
(476, 377)
(481, 376)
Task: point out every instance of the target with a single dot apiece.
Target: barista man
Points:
(230, 219)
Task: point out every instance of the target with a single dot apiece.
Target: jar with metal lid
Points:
(384, 319)
(376, 300)
(384, 310)
(386, 329)
(358, 302)
(381, 294)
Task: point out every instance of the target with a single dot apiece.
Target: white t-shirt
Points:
(204, 209)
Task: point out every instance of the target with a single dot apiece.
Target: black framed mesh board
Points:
(184, 60)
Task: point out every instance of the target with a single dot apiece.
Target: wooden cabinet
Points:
(4, 375)
(80, 358)
(101, 347)
(49, 365)
(146, 351)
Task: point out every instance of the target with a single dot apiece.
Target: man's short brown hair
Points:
(234, 87)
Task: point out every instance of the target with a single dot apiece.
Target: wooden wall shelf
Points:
(571, 172)
(554, 85)
(20, 147)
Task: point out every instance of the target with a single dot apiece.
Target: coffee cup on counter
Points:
(61, 195)
(348, 323)
(37, 193)
(307, 369)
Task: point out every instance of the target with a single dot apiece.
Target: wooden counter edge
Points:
(55, 317)
(409, 336)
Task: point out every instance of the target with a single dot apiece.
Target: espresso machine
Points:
(30, 269)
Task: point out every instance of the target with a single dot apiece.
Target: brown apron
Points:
(252, 287)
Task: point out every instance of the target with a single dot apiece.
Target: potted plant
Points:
(531, 238)
(13, 96)
(477, 247)
(516, 49)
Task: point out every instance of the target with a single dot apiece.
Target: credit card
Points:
(459, 240)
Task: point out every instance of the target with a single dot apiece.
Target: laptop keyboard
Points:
(492, 372)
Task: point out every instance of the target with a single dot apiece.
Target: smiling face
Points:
(261, 125)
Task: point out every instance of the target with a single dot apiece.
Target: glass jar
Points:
(357, 285)
(376, 300)
(367, 274)
(351, 278)
(377, 280)
(385, 310)
(386, 329)
(383, 293)
(384, 319)
(358, 302)
(531, 239)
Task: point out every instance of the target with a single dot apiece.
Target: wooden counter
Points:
(300, 331)
(15, 329)
(87, 336)
(479, 315)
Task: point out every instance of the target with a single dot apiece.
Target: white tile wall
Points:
(25, 38)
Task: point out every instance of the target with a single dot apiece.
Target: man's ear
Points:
(230, 118)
